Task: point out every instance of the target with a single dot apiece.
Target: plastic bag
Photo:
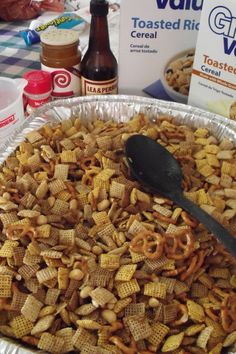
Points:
(65, 20)
(12, 10)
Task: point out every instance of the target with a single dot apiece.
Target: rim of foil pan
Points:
(119, 108)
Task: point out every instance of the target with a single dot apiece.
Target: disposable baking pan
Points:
(119, 108)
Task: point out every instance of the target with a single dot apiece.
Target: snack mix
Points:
(90, 262)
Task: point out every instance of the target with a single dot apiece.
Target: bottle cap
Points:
(39, 82)
(59, 37)
(99, 7)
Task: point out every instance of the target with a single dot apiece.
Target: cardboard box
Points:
(213, 84)
(157, 42)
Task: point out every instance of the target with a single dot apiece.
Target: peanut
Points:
(76, 274)
(85, 292)
(109, 316)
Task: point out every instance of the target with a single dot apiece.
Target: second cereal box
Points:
(157, 42)
(213, 84)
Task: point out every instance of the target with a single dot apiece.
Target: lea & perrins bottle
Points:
(98, 68)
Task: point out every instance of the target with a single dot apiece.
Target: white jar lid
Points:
(60, 37)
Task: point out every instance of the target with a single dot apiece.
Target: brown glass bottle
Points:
(98, 67)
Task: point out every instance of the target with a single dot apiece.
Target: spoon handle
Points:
(208, 221)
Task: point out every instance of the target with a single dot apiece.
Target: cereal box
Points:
(157, 42)
(213, 84)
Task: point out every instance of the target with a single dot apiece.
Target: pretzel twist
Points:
(16, 232)
(87, 178)
(180, 245)
(174, 134)
(149, 243)
(87, 162)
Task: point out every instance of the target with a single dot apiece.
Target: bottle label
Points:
(65, 82)
(90, 87)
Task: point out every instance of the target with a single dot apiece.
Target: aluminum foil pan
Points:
(119, 108)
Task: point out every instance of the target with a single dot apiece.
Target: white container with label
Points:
(61, 57)
(213, 85)
(157, 41)
(11, 106)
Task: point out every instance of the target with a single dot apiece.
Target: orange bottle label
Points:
(90, 87)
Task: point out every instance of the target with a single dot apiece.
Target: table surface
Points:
(15, 57)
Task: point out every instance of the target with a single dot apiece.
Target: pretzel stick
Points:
(182, 309)
(190, 269)
(189, 220)
(174, 272)
(115, 326)
(228, 313)
(30, 340)
(164, 218)
(4, 305)
(126, 350)
(211, 314)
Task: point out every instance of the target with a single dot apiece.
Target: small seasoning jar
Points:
(38, 90)
(60, 55)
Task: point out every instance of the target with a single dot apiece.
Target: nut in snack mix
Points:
(75, 275)
(214, 72)
(157, 41)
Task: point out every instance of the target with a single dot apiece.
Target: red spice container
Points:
(38, 90)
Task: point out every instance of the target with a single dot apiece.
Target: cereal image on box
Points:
(178, 74)
(232, 113)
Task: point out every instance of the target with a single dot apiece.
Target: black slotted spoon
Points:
(155, 167)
